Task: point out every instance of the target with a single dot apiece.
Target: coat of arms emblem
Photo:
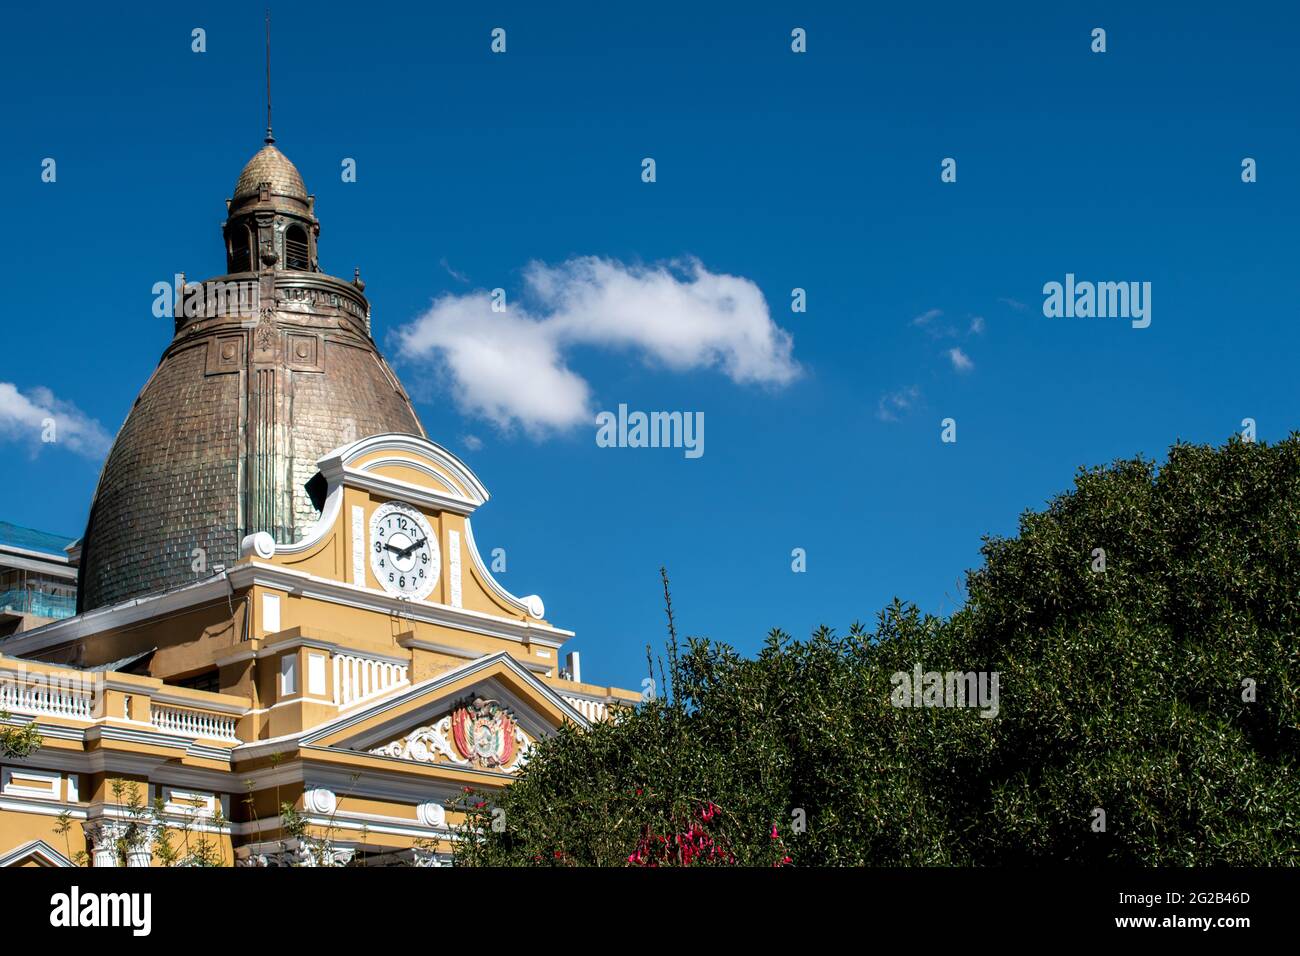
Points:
(484, 734)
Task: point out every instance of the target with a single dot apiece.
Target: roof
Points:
(236, 462)
(28, 539)
(269, 165)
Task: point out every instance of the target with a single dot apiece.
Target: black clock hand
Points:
(414, 544)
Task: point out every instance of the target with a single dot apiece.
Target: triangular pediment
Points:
(484, 715)
(34, 853)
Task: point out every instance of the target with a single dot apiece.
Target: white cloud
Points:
(509, 367)
(893, 404)
(28, 417)
(472, 442)
(960, 360)
(929, 323)
(458, 276)
(977, 325)
(504, 366)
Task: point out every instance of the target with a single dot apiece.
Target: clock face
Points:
(403, 551)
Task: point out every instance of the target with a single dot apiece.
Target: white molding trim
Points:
(406, 461)
(397, 490)
(434, 684)
(372, 822)
(37, 848)
(44, 808)
(334, 464)
(53, 789)
(172, 699)
(448, 649)
(303, 584)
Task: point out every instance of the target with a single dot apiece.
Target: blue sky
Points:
(780, 170)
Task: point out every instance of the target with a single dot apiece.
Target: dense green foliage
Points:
(1124, 689)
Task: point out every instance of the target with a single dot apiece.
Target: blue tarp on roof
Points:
(30, 540)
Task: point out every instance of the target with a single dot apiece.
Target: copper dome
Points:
(269, 165)
(223, 439)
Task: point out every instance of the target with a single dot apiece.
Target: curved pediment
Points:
(414, 472)
(413, 463)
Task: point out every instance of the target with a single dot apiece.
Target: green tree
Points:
(1143, 629)
(17, 742)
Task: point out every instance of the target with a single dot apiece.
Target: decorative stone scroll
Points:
(479, 734)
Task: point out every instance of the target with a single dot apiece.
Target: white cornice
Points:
(334, 464)
(433, 684)
(157, 769)
(371, 822)
(167, 695)
(154, 738)
(296, 582)
(36, 848)
(435, 647)
(386, 487)
(302, 584)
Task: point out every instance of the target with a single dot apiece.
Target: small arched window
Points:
(241, 259)
(295, 249)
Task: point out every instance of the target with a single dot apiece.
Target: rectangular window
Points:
(288, 674)
(270, 613)
(316, 675)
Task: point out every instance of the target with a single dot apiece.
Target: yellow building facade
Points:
(287, 648)
(366, 710)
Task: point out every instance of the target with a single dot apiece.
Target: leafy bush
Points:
(1163, 690)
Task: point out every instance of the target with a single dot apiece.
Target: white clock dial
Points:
(403, 551)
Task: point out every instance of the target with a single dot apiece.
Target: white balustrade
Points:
(43, 698)
(358, 679)
(194, 723)
(591, 709)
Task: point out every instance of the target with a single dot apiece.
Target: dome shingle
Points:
(269, 165)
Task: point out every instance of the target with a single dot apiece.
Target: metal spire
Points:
(269, 137)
